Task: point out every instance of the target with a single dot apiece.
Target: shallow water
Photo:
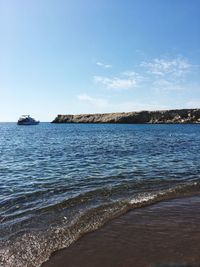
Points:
(60, 181)
(165, 234)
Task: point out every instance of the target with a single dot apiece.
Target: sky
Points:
(98, 56)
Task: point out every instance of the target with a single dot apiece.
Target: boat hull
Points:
(28, 123)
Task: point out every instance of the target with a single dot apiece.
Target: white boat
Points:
(27, 120)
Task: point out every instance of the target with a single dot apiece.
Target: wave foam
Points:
(32, 249)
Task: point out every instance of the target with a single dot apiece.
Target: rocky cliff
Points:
(162, 116)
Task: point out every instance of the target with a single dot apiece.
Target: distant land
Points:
(160, 116)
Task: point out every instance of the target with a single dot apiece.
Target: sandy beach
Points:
(163, 234)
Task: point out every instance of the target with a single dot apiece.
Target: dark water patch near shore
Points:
(166, 234)
(34, 247)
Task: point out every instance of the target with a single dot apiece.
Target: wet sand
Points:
(163, 234)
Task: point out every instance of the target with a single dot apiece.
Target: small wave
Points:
(34, 248)
(143, 199)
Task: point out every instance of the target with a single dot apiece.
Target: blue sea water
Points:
(58, 181)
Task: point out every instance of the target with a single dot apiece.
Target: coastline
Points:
(152, 117)
(163, 234)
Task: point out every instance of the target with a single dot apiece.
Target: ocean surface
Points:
(59, 181)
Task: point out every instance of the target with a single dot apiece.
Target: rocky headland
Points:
(161, 116)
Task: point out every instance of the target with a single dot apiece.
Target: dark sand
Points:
(163, 234)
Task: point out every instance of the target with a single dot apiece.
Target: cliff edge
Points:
(162, 116)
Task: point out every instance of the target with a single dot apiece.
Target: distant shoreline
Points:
(152, 117)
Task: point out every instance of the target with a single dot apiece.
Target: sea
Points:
(60, 181)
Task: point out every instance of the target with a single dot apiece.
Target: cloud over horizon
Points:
(158, 76)
(162, 73)
(103, 65)
(175, 67)
(124, 81)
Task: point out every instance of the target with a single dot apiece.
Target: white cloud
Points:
(103, 65)
(115, 82)
(134, 75)
(127, 80)
(168, 74)
(160, 74)
(176, 67)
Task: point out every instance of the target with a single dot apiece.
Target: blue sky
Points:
(89, 56)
